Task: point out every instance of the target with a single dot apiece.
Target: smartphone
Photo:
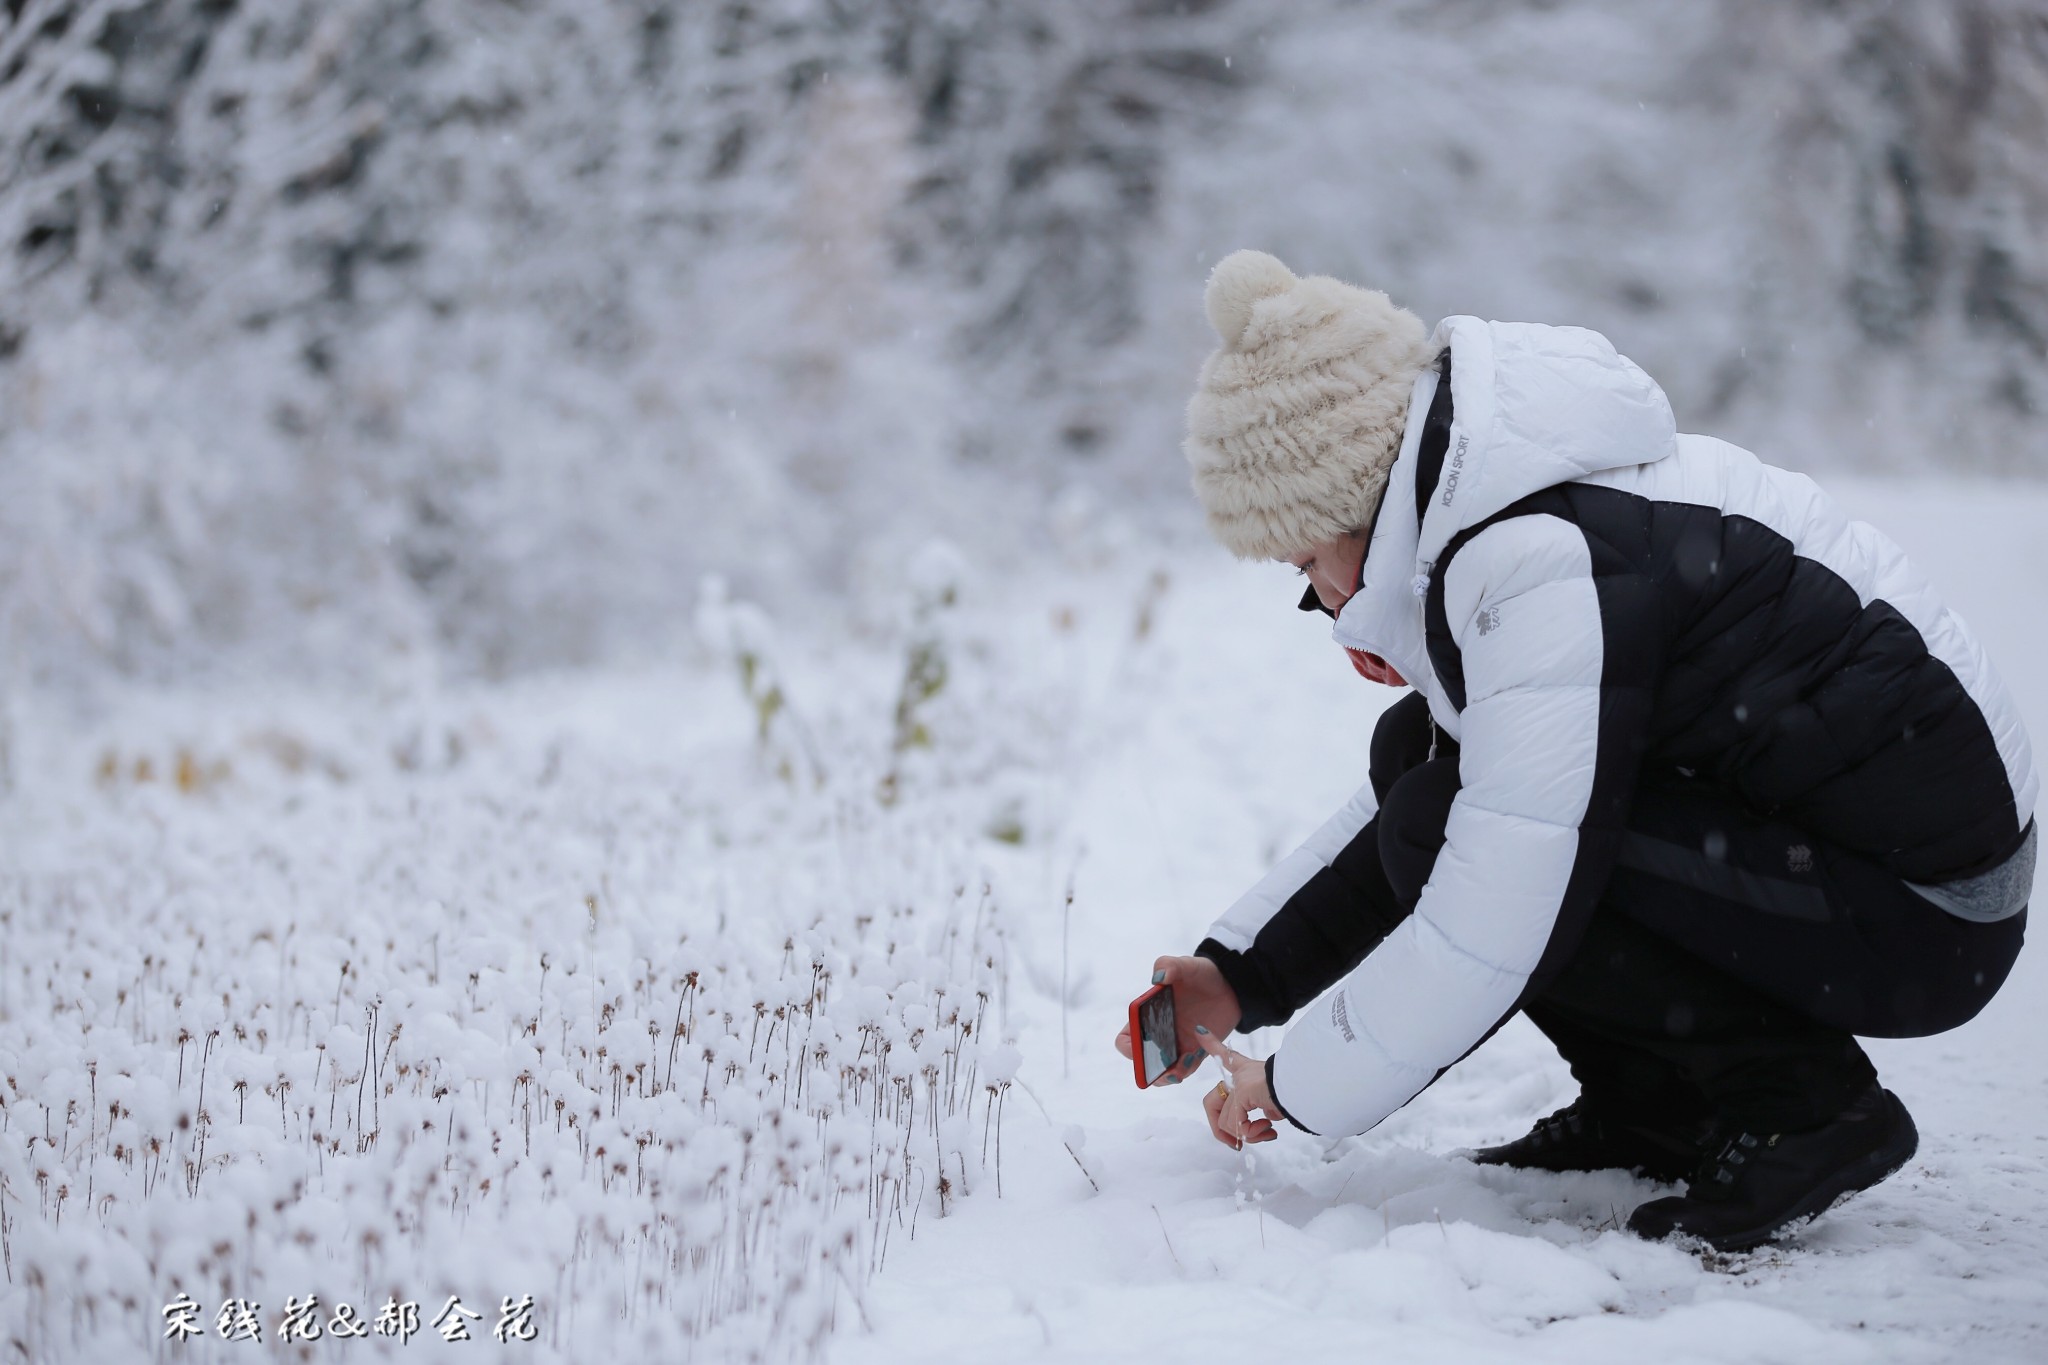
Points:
(1155, 1041)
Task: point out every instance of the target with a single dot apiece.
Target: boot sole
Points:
(1853, 1179)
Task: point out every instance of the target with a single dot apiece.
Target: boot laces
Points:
(1567, 1122)
(1724, 1164)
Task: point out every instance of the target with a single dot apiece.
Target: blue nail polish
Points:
(1190, 1057)
(1169, 1080)
(1199, 1029)
(1159, 978)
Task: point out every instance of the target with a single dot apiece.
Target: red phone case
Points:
(1138, 1032)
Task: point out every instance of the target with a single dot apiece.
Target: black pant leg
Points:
(1658, 1035)
(1815, 927)
(1748, 954)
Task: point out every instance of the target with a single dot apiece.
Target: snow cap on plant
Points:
(1298, 416)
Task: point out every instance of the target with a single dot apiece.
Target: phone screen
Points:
(1158, 1039)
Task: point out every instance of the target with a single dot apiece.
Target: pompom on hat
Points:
(1299, 415)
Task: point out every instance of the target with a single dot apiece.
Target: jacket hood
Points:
(1532, 406)
(1535, 406)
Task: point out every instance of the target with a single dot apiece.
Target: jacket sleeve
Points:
(1307, 921)
(1558, 660)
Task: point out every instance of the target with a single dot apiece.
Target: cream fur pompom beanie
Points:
(1299, 416)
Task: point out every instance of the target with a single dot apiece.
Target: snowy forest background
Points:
(465, 335)
(609, 677)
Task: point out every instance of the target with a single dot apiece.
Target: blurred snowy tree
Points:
(368, 338)
(525, 314)
(1912, 140)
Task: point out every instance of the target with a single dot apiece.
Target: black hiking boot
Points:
(1583, 1137)
(1753, 1186)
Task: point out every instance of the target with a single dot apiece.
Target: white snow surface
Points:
(518, 876)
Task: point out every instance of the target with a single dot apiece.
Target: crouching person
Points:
(1697, 773)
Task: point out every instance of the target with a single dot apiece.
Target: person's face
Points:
(1331, 567)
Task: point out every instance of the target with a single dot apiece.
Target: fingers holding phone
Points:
(1201, 997)
(1178, 1022)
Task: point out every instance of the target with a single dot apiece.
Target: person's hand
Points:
(1230, 1105)
(1201, 997)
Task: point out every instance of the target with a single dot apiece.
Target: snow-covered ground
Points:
(522, 880)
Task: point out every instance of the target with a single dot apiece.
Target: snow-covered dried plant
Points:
(928, 647)
(742, 638)
(681, 1052)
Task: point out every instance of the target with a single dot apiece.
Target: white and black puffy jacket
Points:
(1581, 592)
